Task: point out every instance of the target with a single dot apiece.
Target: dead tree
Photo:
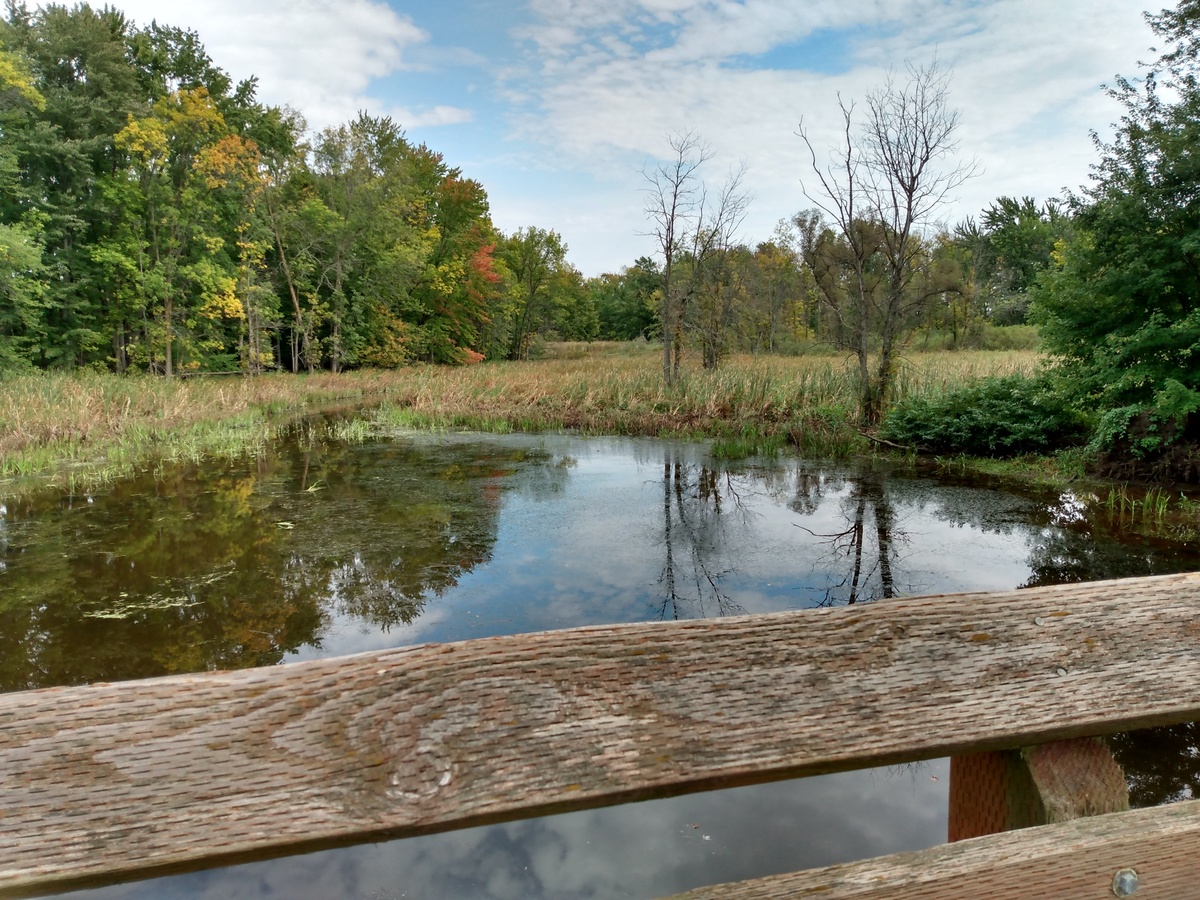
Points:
(881, 189)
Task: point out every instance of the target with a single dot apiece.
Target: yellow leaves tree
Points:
(185, 163)
(16, 84)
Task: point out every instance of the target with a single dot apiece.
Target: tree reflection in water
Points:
(696, 514)
(1161, 765)
(196, 569)
(235, 565)
(862, 557)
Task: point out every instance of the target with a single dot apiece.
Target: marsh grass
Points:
(1149, 507)
(750, 406)
(81, 429)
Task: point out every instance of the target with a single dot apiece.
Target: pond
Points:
(325, 547)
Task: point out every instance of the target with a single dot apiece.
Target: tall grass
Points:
(1149, 507)
(809, 402)
(55, 426)
(79, 429)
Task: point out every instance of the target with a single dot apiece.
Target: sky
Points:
(560, 107)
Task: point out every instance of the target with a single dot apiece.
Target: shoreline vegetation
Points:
(78, 431)
(186, 228)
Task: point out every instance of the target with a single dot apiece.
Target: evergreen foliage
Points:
(1120, 306)
(1004, 416)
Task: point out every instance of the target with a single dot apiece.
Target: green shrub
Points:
(1004, 416)
(1009, 337)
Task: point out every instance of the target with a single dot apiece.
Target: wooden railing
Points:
(116, 781)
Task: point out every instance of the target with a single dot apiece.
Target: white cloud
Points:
(318, 56)
(436, 115)
(1027, 81)
(562, 130)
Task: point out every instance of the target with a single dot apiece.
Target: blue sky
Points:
(557, 106)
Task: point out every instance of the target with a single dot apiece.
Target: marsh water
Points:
(325, 547)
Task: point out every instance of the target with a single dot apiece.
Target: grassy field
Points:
(74, 430)
(807, 401)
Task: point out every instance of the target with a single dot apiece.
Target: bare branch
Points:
(881, 189)
(674, 204)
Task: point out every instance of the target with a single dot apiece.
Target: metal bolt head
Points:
(1125, 883)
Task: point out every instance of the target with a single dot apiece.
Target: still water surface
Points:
(324, 548)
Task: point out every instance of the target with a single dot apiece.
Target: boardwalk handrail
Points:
(115, 781)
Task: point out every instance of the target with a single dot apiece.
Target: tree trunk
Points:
(666, 326)
(121, 360)
(866, 388)
(168, 309)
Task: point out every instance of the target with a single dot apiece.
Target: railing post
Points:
(1009, 789)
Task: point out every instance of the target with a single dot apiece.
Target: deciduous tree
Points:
(1121, 304)
(674, 200)
(882, 188)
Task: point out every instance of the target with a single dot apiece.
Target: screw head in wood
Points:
(1125, 883)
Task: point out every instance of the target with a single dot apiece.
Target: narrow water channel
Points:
(324, 547)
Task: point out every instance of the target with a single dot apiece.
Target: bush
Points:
(1004, 416)
(1009, 337)
(1158, 443)
(982, 336)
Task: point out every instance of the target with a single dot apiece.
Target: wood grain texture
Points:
(1003, 790)
(1075, 860)
(121, 780)
(1075, 779)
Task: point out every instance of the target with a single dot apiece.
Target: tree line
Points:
(156, 216)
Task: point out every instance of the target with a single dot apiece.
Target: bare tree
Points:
(674, 201)
(882, 188)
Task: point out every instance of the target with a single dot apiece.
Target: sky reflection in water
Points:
(328, 549)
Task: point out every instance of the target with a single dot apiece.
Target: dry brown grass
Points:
(47, 409)
(49, 422)
(603, 391)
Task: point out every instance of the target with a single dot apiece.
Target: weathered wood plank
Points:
(111, 781)
(1002, 790)
(1076, 860)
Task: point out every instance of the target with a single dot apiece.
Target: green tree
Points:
(1005, 252)
(626, 302)
(22, 274)
(455, 300)
(714, 296)
(537, 259)
(573, 316)
(367, 253)
(775, 287)
(284, 193)
(22, 306)
(79, 61)
(1120, 306)
(182, 157)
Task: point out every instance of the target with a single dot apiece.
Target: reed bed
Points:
(66, 427)
(625, 394)
(86, 427)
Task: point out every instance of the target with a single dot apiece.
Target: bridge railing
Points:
(118, 781)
